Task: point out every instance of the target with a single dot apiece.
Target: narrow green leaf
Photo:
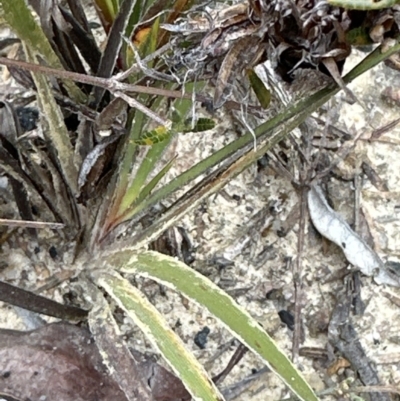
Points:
(130, 150)
(307, 105)
(202, 124)
(178, 276)
(363, 4)
(150, 44)
(141, 197)
(262, 93)
(182, 107)
(156, 329)
(107, 9)
(153, 182)
(135, 18)
(152, 157)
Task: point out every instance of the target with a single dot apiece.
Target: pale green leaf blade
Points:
(163, 338)
(178, 276)
(363, 4)
(153, 182)
(152, 157)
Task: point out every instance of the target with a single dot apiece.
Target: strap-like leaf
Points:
(156, 329)
(363, 4)
(178, 276)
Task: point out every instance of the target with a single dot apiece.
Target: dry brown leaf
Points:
(57, 362)
(62, 362)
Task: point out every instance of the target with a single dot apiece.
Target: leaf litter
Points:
(333, 227)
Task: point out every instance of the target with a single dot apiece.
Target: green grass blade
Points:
(108, 10)
(154, 153)
(130, 150)
(151, 185)
(204, 188)
(150, 44)
(152, 157)
(163, 338)
(363, 4)
(178, 276)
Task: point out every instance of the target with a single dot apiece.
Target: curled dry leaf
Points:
(95, 166)
(333, 227)
(236, 58)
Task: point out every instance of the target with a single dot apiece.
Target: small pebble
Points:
(200, 339)
(53, 252)
(287, 318)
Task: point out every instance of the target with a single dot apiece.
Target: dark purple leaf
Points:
(58, 362)
(61, 362)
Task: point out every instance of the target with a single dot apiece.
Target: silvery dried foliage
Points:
(289, 34)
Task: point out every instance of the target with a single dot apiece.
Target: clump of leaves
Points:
(92, 184)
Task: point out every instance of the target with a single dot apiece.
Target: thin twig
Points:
(297, 276)
(141, 65)
(376, 134)
(30, 224)
(112, 84)
(137, 105)
(305, 172)
(28, 300)
(235, 359)
(136, 67)
(338, 391)
(234, 391)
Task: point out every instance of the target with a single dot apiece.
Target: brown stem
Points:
(36, 303)
(113, 85)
